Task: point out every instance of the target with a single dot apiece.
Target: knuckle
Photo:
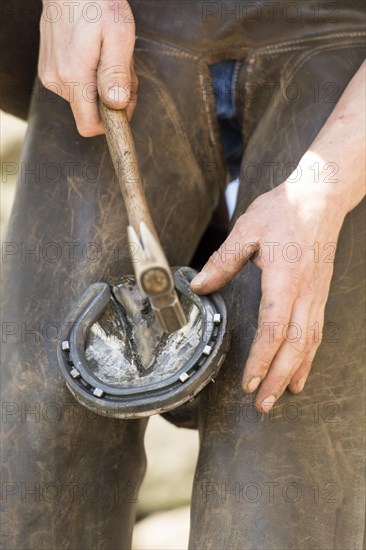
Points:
(307, 363)
(299, 347)
(262, 366)
(311, 283)
(273, 317)
(49, 79)
(277, 338)
(114, 72)
(65, 73)
(241, 228)
(282, 320)
(309, 344)
(293, 281)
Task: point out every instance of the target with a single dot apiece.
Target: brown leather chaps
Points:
(293, 479)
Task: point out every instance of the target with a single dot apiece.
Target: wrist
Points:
(336, 181)
(315, 188)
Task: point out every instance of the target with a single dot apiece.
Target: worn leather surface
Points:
(293, 479)
(297, 474)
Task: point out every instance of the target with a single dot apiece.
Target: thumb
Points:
(226, 262)
(116, 79)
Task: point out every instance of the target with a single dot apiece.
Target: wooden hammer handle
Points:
(122, 150)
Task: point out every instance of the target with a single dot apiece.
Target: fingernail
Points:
(268, 403)
(300, 384)
(254, 383)
(199, 279)
(115, 93)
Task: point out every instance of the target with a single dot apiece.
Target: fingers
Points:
(291, 288)
(84, 107)
(117, 81)
(278, 295)
(80, 59)
(82, 95)
(293, 360)
(297, 343)
(299, 378)
(228, 260)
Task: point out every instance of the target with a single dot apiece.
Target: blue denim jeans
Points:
(223, 77)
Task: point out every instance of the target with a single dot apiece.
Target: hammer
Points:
(152, 271)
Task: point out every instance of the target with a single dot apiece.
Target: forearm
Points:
(339, 149)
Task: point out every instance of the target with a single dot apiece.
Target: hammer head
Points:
(155, 279)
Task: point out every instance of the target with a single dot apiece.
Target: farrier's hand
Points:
(307, 212)
(86, 50)
(294, 229)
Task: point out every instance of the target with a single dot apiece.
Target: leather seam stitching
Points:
(272, 48)
(279, 48)
(168, 48)
(297, 66)
(234, 84)
(213, 125)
